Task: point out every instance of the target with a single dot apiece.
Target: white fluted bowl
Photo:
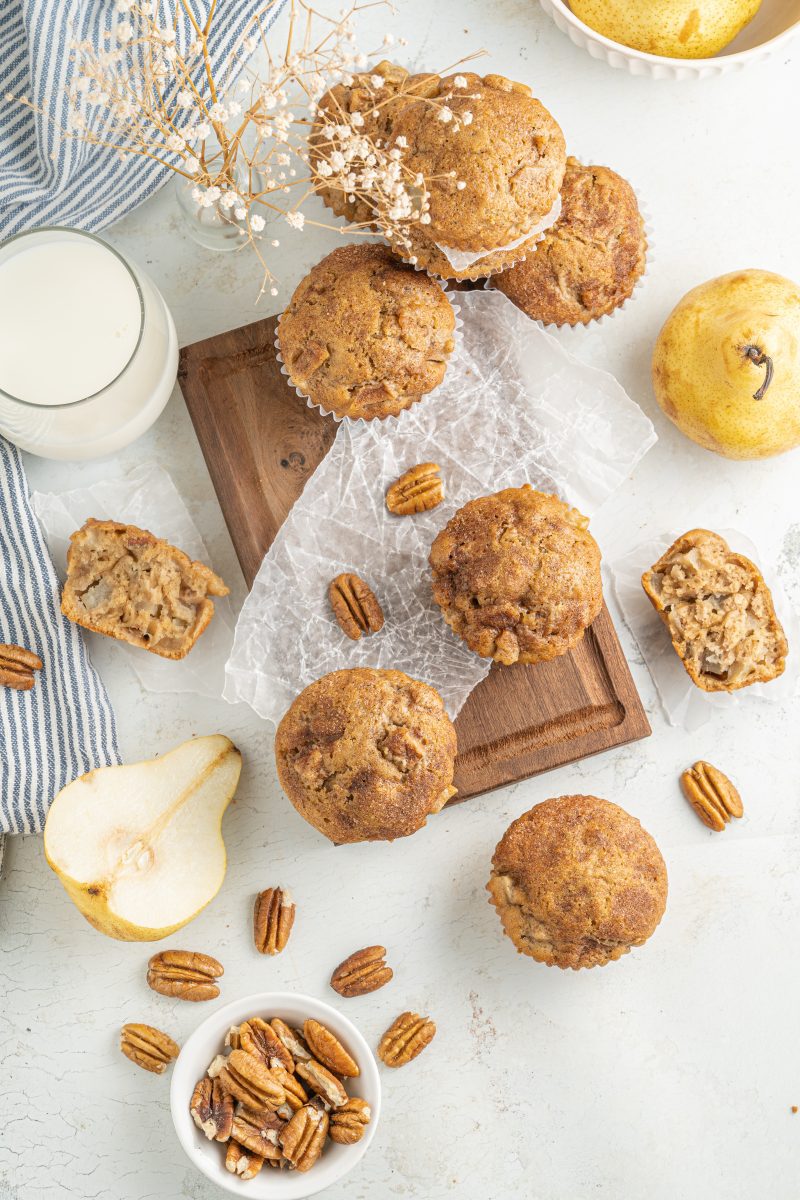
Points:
(206, 1041)
(776, 22)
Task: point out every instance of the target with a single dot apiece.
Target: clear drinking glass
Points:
(75, 314)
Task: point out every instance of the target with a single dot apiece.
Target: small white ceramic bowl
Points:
(207, 1040)
(775, 23)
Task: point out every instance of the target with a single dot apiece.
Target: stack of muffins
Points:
(369, 331)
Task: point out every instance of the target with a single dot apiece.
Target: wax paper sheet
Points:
(515, 408)
(685, 705)
(147, 497)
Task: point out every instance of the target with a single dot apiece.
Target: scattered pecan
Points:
(242, 1162)
(257, 1132)
(17, 666)
(355, 606)
(251, 1082)
(347, 1124)
(149, 1048)
(273, 918)
(291, 1039)
(304, 1136)
(323, 1083)
(417, 491)
(258, 1038)
(712, 795)
(365, 971)
(405, 1039)
(184, 974)
(328, 1050)
(212, 1109)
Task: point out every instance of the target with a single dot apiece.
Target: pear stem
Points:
(760, 359)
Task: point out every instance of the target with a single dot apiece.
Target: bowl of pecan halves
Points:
(275, 1096)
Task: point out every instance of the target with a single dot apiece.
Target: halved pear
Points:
(139, 848)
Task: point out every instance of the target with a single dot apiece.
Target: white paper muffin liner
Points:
(650, 258)
(536, 233)
(391, 420)
(684, 704)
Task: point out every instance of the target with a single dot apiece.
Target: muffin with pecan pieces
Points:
(364, 335)
(589, 262)
(577, 882)
(517, 576)
(493, 161)
(365, 755)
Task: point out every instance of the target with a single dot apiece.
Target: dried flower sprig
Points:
(252, 144)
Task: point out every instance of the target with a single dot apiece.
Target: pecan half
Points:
(321, 1081)
(258, 1038)
(273, 918)
(363, 972)
(242, 1162)
(184, 974)
(296, 1095)
(418, 490)
(291, 1039)
(405, 1039)
(17, 666)
(712, 795)
(347, 1124)
(303, 1138)
(251, 1082)
(149, 1048)
(212, 1109)
(257, 1132)
(355, 606)
(328, 1050)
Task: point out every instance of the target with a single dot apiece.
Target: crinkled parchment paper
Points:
(685, 705)
(514, 408)
(146, 497)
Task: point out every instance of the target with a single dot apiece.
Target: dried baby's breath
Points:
(239, 136)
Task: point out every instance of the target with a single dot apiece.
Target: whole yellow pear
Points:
(670, 28)
(726, 365)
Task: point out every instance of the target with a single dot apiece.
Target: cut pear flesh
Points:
(139, 848)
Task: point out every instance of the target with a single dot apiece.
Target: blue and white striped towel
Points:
(65, 725)
(46, 179)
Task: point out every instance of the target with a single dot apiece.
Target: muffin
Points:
(367, 105)
(493, 160)
(365, 755)
(589, 262)
(364, 335)
(517, 576)
(577, 882)
(128, 584)
(719, 613)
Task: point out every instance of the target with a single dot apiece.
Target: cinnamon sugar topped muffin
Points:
(577, 882)
(517, 576)
(589, 262)
(365, 335)
(365, 755)
(493, 159)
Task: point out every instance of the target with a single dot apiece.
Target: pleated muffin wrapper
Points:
(463, 260)
(392, 420)
(650, 258)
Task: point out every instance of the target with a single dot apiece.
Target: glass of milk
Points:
(88, 350)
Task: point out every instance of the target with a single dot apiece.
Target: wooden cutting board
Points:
(261, 443)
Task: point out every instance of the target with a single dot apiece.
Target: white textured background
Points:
(666, 1076)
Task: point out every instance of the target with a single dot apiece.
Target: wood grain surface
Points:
(262, 442)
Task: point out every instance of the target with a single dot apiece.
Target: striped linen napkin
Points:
(65, 725)
(45, 178)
